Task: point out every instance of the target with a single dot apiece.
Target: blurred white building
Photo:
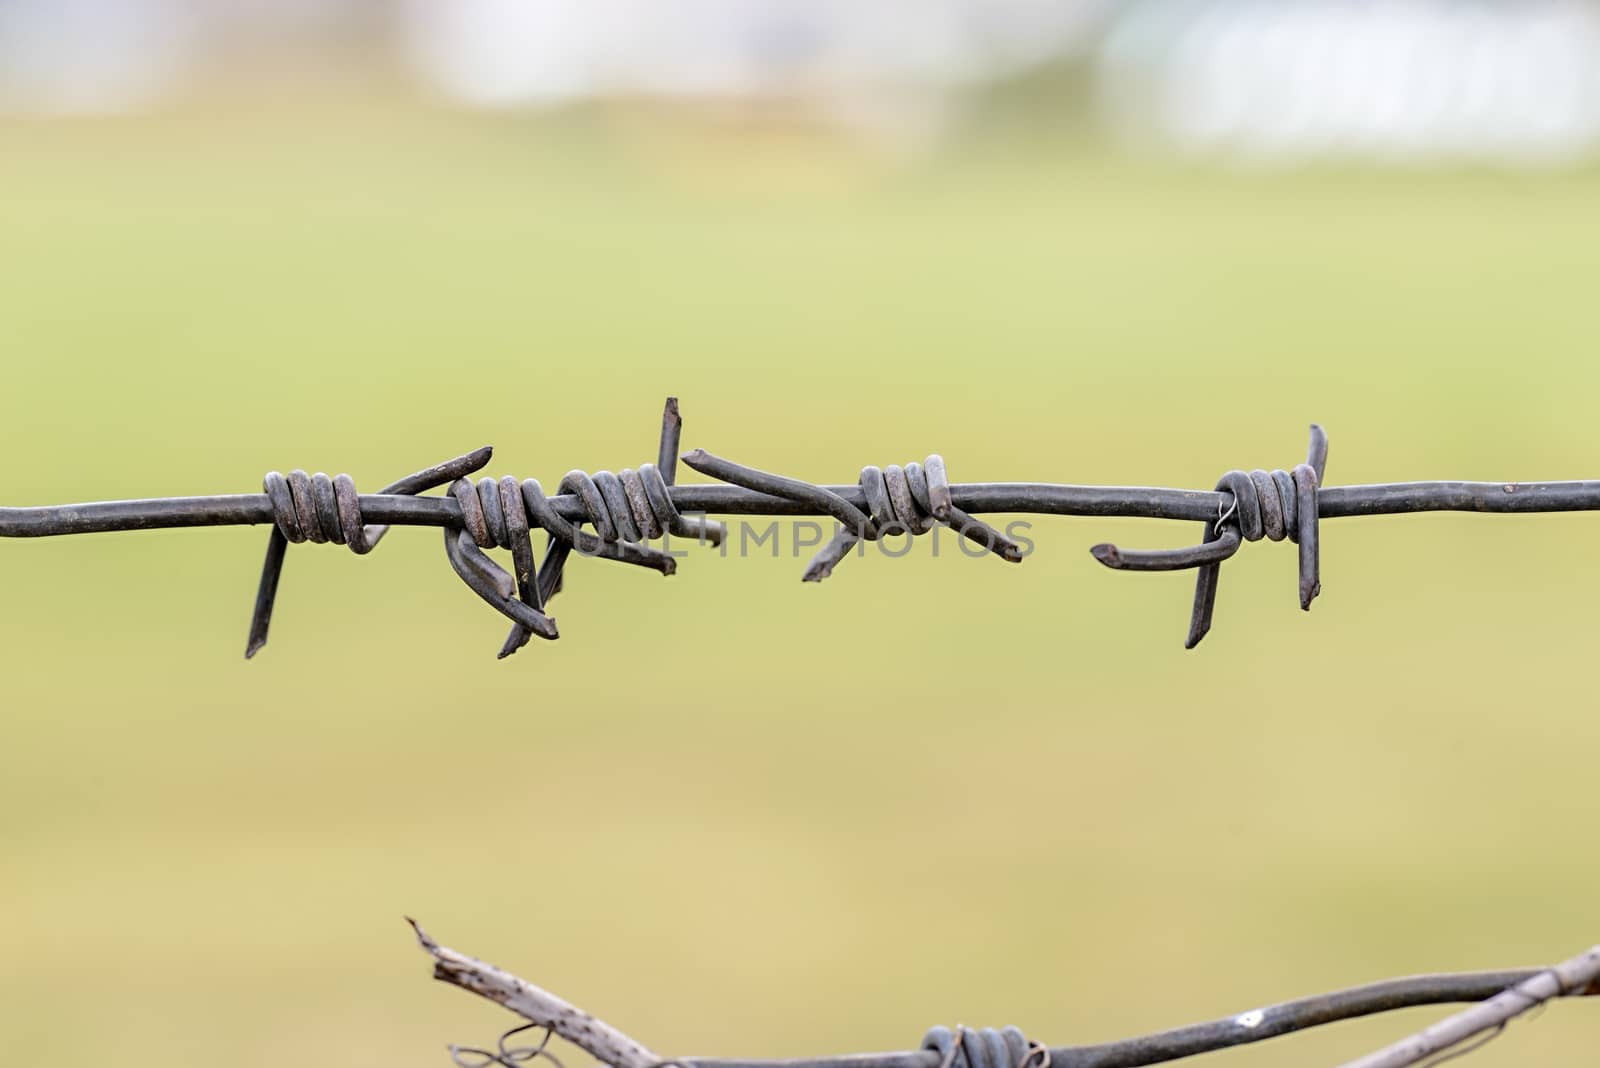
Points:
(1509, 82)
(848, 59)
(1403, 82)
(89, 56)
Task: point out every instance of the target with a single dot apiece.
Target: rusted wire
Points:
(1001, 1049)
(1500, 996)
(964, 1047)
(617, 516)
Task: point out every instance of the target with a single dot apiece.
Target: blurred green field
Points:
(731, 813)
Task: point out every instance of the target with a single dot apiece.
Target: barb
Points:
(617, 516)
(1508, 994)
(1273, 505)
(907, 500)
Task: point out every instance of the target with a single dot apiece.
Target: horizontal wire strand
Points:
(1020, 498)
(626, 511)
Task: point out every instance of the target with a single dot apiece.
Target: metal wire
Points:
(964, 1047)
(616, 516)
(1245, 1028)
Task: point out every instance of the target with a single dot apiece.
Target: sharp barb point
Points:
(1107, 554)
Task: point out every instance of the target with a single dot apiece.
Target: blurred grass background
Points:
(729, 813)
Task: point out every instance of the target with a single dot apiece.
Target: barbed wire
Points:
(1498, 997)
(617, 516)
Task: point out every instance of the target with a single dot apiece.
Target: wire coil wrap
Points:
(1256, 504)
(626, 510)
(909, 500)
(986, 1048)
(319, 509)
(301, 512)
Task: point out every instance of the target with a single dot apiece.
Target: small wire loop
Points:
(506, 1056)
(1232, 509)
(1247, 511)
